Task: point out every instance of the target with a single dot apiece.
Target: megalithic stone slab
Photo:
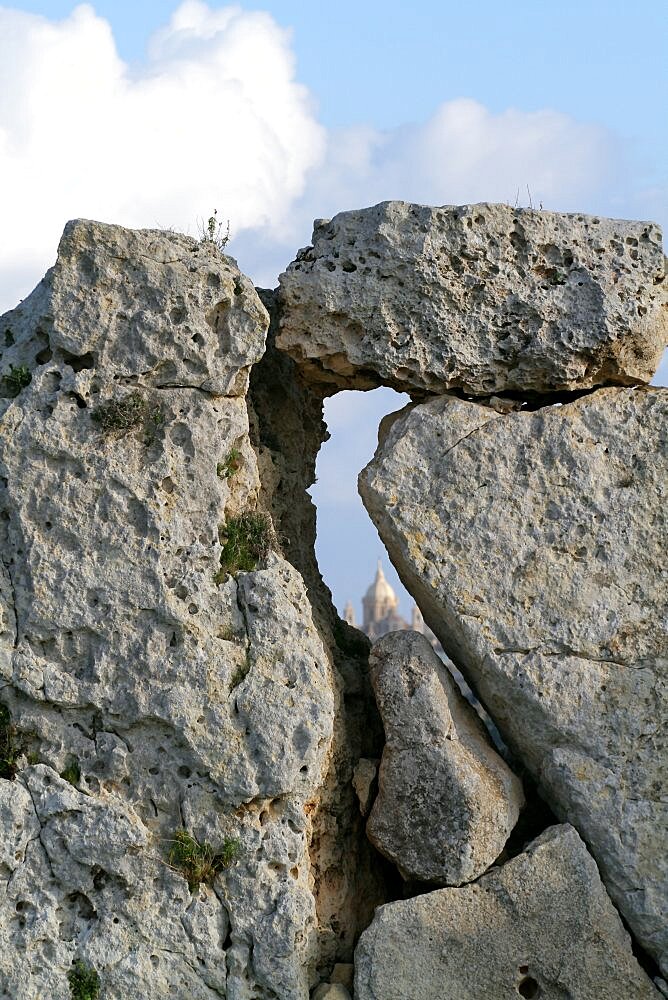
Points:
(535, 544)
(168, 693)
(484, 298)
(540, 926)
(144, 305)
(447, 802)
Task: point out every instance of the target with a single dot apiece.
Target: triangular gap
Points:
(348, 547)
(347, 544)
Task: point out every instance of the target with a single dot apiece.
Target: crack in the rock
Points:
(465, 437)
(14, 607)
(565, 651)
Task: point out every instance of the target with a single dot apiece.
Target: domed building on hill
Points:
(380, 609)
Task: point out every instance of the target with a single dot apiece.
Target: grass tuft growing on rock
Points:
(120, 415)
(231, 464)
(72, 772)
(199, 862)
(240, 673)
(246, 540)
(15, 380)
(84, 981)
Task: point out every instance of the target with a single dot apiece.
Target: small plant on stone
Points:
(227, 634)
(9, 749)
(84, 981)
(214, 232)
(121, 415)
(15, 380)
(246, 540)
(199, 862)
(231, 464)
(72, 772)
(152, 424)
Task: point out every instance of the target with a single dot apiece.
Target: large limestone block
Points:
(486, 298)
(447, 802)
(540, 926)
(146, 306)
(535, 544)
(89, 888)
(170, 697)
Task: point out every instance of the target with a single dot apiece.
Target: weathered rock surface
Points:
(146, 306)
(365, 778)
(331, 991)
(535, 545)
(171, 700)
(540, 926)
(447, 802)
(348, 875)
(486, 298)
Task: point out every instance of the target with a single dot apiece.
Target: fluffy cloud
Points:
(213, 119)
(463, 153)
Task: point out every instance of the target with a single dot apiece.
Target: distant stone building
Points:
(380, 613)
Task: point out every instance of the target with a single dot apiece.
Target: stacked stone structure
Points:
(210, 786)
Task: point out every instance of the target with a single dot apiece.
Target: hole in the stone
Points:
(79, 362)
(528, 988)
(354, 420)
(44, 356)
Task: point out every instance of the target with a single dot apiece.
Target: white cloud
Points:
(215, 118)
(463, 153)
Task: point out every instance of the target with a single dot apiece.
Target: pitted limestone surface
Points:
(535, 544)
(172, 697)
(484, 298)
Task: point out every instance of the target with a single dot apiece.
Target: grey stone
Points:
(534, 543)
(344, 973)
(447, 802)
(150, 307)
(485, 298)
(331, 991)
(540, 926)
(364, 780)
(183, 699)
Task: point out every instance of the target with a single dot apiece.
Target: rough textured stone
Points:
(486, 298)
(349, 877)
(182, 700)
(331, 991)
(535, 545)
(154, 308)
(447, 802)
(365, 778)
(541, 926)
(344, 973)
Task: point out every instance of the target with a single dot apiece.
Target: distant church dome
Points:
(379, 602)
(381, 613)
(380, 590)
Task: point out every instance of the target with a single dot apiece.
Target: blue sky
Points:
(312, 109)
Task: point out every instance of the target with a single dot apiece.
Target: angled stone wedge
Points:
(447, 802)
(542, 926)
